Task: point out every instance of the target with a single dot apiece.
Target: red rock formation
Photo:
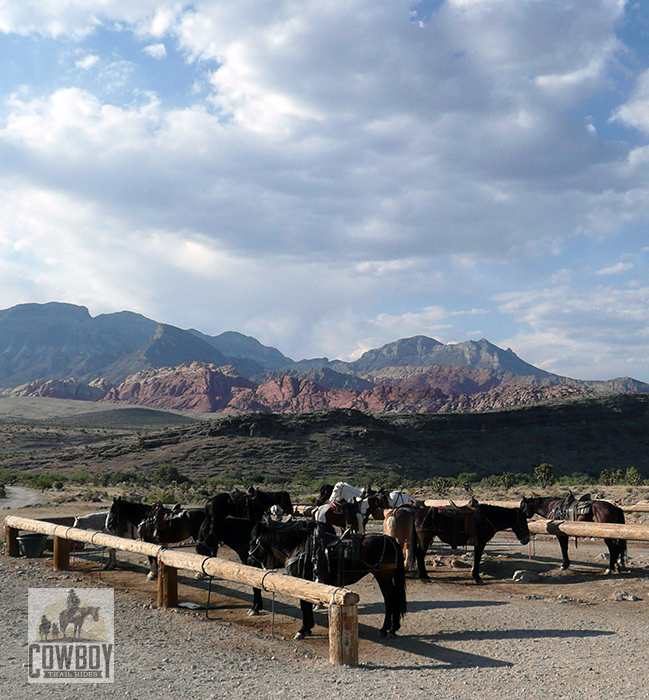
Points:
(197, 387)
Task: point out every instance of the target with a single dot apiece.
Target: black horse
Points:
(235, 533)
(583, 509)
(251, 504)
(474, 524)
(312, 551)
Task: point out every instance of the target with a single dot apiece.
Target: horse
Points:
(352, 514)
(312, 551)
(98, 521)
(398, 523)
(76, 617)
(235, 533)
(583, 509)
(474, 524)
(399, 498)
(324, 494)
(165, 526)
(169, 526)
(123, 520)
(251, 504)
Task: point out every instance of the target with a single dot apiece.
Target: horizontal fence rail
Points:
(343, 604)
(574, 528)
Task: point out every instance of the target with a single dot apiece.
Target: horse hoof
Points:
(200, 576)
(383, 633)
(152, 577)
(300, 635)
(253, 613)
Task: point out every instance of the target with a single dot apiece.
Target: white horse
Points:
(343, 491)
(400, 498)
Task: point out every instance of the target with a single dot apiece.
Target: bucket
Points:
(32, 544)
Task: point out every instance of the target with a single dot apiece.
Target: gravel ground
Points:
(562, 637)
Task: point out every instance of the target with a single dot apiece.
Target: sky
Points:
(331, 176)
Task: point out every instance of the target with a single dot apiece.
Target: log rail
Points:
(342, 603)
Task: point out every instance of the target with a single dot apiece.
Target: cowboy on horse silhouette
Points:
(73, 601)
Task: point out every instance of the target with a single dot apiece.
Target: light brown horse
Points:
(399, 523)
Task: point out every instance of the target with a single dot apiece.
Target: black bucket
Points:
(32, 544)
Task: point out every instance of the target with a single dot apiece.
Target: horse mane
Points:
(284, 535)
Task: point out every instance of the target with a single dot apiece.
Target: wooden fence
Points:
(342, 603)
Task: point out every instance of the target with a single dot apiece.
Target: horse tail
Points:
(399, 580)
(412, 544)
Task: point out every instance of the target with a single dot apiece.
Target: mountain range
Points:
(59, 350)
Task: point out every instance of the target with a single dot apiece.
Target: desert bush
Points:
(168, 474)
(440, 485)
(633, 477)
(544, 474)
(467, 481)
(610, 477)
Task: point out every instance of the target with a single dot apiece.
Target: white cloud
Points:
(586, 334)
(616, 269)
(87, 62)
(157, 51)
(635, 112)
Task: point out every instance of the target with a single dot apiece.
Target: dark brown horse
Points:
(153, 523)
(583, 509)
(167, 526)
(474, 524)
(312, 551)
(251, 504)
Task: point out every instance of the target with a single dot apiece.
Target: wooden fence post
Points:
(61, 553)
(11, 541)
(343, 635)
(167, 585)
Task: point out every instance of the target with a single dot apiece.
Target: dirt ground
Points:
(546, 639)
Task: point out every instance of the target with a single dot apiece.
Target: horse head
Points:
(520, 527)
(528, 507)
(285, 503)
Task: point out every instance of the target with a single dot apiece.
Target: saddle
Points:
(456, 522)
(327, 548)
(571, 508)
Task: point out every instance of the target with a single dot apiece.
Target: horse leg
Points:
(563, 543)
(391, 621)
(111, 564)
(616, 549)
(153, 565)
(257, 602)
(421, 547)
(478, 549)
(307, 620)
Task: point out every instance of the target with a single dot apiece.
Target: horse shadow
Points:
(432, 646)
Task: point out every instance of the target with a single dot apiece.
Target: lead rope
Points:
(272, 607)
